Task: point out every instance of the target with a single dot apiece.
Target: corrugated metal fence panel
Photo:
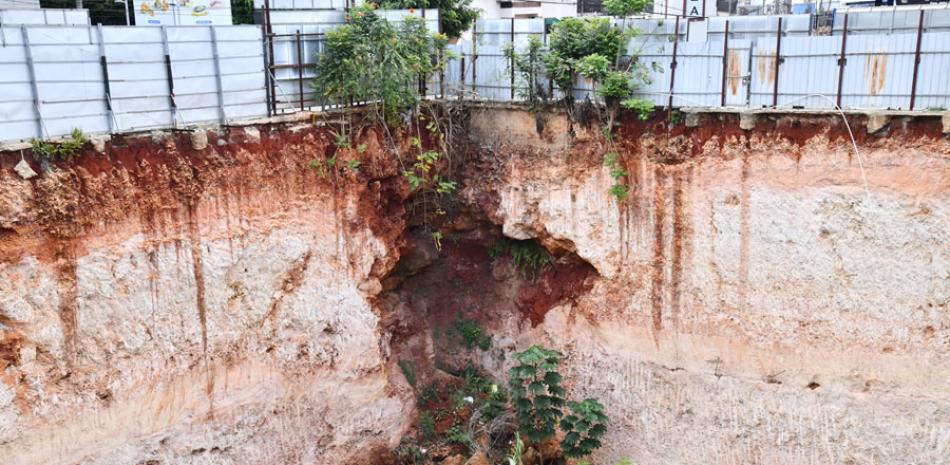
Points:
(653, 29)
(762, 85)
(933, 78)
(43, 16)
(454, 81)
(810, 66)
(69, 78)
(192, 61)
(656, 54)
(893, 21)
(137, 77)
(300, 18)
(240, 60)
(491, 71)
(17, 112)
(241, 63)
(302, 4)
(72, 92)
(737, 69)
(698, 70)
(879, 71)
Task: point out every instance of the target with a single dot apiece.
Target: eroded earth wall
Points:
(176, 300)
(764, 296)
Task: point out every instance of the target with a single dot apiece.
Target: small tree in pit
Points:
(583, 428)
(537, 393)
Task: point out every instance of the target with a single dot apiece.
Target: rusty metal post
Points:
(300, 67)
(462, 74)
(544, 38)
(442, 63)
(475, 57)
(842, 60)
(512, 38)
(778, 60)
(676, 42)
(920, 34)
(271, 72)
(725, 63)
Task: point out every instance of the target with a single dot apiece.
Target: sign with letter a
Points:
(695, 8)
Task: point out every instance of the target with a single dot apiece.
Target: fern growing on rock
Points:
(583, 428)
(537, 393)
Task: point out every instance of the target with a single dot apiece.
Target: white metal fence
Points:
(745, 62)
(115, 79)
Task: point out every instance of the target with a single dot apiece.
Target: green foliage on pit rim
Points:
(63, 150)
(618, 190)
(529, 64)
(369, 59)
(456, 16)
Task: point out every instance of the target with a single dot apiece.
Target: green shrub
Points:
(536, 392)
(471, 334)
(427, 394)
(624, 8)
(426, 426)
(574, 39)
(529, 65)
(529, 258)
(371, 59)
(409, 371)
(644, 108)
(619, 190)
(583, 428)
(593, 66)
(456, 16)
(457, 435)
(64, 150)
(616, 85)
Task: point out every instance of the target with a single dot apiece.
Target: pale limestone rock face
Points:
(756, 304)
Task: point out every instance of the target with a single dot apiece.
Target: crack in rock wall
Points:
(753, 305)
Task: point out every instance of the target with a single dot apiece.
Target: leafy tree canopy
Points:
(370, 59)
(456, 16)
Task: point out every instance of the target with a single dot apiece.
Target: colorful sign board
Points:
(182, 12)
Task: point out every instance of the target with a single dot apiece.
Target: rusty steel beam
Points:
(920, 34)
(512, 59)
(475, 57)
(271, 75)
(842, 60)
(725, 63)
(676, 42)
(300, 67)
(778, 61)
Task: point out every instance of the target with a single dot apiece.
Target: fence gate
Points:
(737, 67)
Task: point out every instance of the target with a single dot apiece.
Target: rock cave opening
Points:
(453, 309)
